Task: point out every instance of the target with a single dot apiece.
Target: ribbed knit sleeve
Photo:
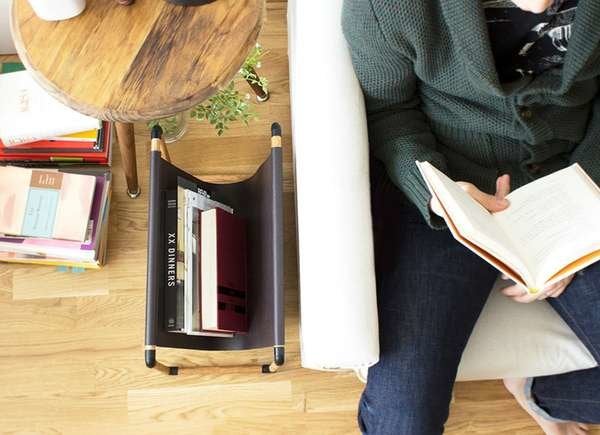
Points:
(399, 133)
(587, 153)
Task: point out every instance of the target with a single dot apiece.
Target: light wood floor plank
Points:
(213, 402)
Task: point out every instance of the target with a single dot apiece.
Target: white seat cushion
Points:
(521, 340)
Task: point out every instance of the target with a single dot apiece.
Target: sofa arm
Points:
(6, 43)
(338, 319)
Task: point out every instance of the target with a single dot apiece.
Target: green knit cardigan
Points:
(432, 93)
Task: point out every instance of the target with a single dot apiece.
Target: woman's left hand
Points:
(518, 294)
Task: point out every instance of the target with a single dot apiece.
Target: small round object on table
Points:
(190, 2)
(147, 61)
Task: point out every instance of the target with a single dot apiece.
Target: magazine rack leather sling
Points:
(259, 201)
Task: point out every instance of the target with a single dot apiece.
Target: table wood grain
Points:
(145, 61)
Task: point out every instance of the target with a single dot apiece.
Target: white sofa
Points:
(337, 287)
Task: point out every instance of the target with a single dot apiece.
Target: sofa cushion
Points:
(512, 339)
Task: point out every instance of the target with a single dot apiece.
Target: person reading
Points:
(495, 94)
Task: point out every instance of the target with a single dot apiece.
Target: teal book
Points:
(8, 67)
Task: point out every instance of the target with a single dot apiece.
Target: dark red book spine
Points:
(232, 272)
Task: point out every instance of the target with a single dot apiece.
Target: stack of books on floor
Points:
(55, 180)
(206, 265)
(38, 130)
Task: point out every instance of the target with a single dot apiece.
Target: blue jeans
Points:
(430, 292)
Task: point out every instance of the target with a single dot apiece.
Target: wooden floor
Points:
(71, 344)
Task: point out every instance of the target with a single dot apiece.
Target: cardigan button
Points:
(534, 169)
(525, 113)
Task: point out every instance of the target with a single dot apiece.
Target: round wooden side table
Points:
(145, 61)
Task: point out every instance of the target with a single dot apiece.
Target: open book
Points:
(550, 230)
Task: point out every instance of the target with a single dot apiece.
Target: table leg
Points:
(126, 139)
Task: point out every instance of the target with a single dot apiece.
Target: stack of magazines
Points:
(206, 273)
(55, 184)
(54, 217)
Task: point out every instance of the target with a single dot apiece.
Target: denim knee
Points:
(397, 411)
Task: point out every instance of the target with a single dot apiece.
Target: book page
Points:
(473, 221)
(554, 220)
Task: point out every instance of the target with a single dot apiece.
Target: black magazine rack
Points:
(259, 200)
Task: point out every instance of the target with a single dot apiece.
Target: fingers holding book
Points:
(518, 294)
(492, 203)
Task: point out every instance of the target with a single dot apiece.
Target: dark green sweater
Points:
(432, 93)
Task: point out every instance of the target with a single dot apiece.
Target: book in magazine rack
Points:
(258, 200)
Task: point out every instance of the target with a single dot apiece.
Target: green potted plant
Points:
(228, 105)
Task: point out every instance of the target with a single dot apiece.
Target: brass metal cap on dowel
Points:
(158, 144)
(275, 135)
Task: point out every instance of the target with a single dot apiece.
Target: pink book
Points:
(45, 203)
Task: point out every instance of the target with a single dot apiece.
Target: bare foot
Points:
(516, 386)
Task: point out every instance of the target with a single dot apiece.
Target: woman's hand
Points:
(498, 203)
(518, 294)
(490, 202)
